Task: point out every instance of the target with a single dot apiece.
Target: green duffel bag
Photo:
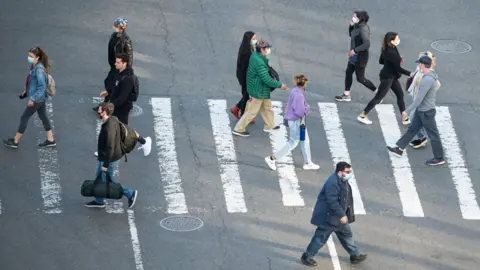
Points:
(95, 188)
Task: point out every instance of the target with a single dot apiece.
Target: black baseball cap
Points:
(425, 60)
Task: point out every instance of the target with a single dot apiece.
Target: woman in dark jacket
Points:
(359, 33)
(391, 60)
(244, 52)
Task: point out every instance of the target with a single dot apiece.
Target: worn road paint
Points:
(226, 155)
(167, 156)
(137, 252)
(338, 148)
(333, 254)
(401, 165)
(455, 161)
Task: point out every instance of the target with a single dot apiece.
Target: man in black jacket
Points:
(334, 212)
(119, 42)
(110, 153)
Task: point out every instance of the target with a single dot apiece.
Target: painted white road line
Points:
(333, 254)
(456, 163)
(49, 168)
(111, 206)
(338, 147)
(226, 155)
(285, 167)
(137, 252)
(401, 166)
(167, 156)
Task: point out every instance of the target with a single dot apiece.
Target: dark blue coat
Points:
(334, 202)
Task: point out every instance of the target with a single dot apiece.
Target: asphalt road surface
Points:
(414, 216)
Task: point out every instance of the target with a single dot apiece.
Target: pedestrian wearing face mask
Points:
(334, 212)
(119, 43)
(296, 113)
(391, 60)
(244, 52)
(420, 140)
(36, 92)
(359, 32)
(259, 85)
(424, 117)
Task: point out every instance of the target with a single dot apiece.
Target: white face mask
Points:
(253, 42)
(268, 51)
(355, 20)
(396, 43)
(115, 29)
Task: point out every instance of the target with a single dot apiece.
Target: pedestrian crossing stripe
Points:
(289, 184)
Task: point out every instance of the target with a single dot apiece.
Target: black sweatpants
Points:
(245, 97)
(41, 109)
(385, 85)
(360, 74)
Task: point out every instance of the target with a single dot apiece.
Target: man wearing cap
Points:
(119, 43)
(424, 107)
(259, 85)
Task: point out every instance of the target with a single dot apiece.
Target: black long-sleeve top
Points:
(391, 61)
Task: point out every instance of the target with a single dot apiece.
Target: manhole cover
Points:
(451, 46)
(181, 223)
(136, 110)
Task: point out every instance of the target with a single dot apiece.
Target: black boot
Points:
(308, 260)
(358, 259)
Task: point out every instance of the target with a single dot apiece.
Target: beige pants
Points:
(254, 106)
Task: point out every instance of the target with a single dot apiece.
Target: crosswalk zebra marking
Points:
(338, 147)
(226, 155)
(167, 156)
(401, 166)
(49, 168)
(286, 170)
(111, 206)
(456, 163)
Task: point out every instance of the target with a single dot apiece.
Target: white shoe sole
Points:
(270, 164)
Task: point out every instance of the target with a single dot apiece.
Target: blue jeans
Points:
(421, 133)
(322, 234)
(111, 168)
(294, 126)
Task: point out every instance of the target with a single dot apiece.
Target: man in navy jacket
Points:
(333, 212)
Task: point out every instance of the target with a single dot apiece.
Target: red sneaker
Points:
(235, 111)
(253, 121)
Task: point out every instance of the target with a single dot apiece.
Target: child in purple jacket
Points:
(297, 110)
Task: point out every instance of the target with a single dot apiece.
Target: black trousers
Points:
(385, 85)
(41, 109)
(243, 101)
(360, 74)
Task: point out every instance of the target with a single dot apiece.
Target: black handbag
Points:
(96, 188)
(274, 74)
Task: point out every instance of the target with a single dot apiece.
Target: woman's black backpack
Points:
(274, 74)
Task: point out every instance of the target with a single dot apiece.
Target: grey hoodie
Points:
(427, 93)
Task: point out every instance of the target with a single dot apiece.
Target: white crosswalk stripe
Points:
(290, 186)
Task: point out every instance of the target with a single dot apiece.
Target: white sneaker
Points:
(311, 166)
(271, 163)
(147, 147)
(364, 120)
(96, 153)
(406, 121)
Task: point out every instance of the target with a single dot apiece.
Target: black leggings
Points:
(385, 85)
(245, 97)
(39, 108)
(360, 74)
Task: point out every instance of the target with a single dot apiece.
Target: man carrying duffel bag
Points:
(110, 151)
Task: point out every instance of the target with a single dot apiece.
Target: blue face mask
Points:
(30, 60)
(348, 177)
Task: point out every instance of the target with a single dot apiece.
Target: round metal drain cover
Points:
(181, 223)
(136, 110)
(451, 46)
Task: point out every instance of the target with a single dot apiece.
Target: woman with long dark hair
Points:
(36, 92)
(359, 32)
(244, 52)
(392, 71)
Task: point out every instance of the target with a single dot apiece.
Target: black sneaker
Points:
(308, 260)
(343, 97)
(10, 142)
(395, 150)
(47, 143)
(418, 143)
(133, 199)
(435, 162)
(241, 134)
(358, 259)
(95, 204)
